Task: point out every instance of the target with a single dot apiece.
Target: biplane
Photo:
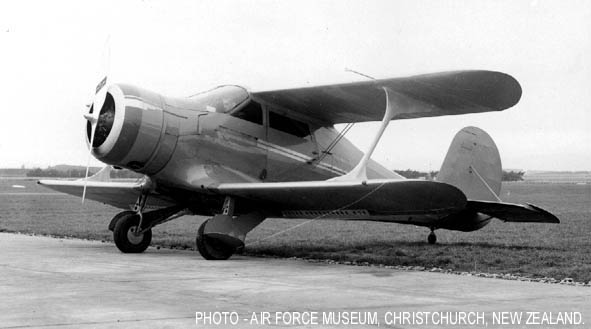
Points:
(240, 157)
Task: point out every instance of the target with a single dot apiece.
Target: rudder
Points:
(473, 165)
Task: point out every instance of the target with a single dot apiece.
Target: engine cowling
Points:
(133, 130)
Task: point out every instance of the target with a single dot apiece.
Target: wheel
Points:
(125, 238)
(211, 248)
(432, 238)
(116, 218)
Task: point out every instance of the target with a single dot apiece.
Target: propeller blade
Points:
(93, 128)
(90, 117)
(100, 93)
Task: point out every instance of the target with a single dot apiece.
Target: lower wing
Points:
(388, 200)
(117, 194)
(408, 201)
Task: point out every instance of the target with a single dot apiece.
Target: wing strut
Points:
(360, 171)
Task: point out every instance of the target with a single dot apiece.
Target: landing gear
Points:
(220, 237)
(116, 218)
(132, 230)
(127, 235)
(211, 248)
(432, 238)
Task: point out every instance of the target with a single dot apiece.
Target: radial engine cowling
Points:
(133, 130)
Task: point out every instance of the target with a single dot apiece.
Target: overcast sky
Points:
(50, 51)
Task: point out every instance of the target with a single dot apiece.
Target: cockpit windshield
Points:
(222, 99)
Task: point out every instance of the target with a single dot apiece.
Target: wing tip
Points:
(506, 91)
(513, 89)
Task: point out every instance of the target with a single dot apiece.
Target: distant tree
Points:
(411, 174)
(414, 174)
(78, 172)
(124, 173)
(50, 172)
(37, 172)
(512, 176)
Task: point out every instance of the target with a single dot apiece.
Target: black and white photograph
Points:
(295, 164)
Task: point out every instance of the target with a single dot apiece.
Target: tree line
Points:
(78, 173)
(508, 176)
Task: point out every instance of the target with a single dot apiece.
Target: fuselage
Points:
(223, 135)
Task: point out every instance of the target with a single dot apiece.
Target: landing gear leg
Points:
(127, 229)
(432, 238)
(212, 248)
(223, 235)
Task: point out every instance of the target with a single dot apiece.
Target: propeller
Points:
(100, 93)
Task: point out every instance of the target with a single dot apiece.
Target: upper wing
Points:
(447, 93)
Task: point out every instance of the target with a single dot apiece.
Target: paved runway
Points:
(46, 282)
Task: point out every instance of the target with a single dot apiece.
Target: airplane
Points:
(240, 157)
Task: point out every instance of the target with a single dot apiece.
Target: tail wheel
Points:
(432, 238)
(126, 237)
(211, 248)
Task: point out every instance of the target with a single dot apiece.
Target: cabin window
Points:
(251, 112)
(288, 125)
(221, 99)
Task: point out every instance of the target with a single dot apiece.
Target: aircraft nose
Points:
(105, 122)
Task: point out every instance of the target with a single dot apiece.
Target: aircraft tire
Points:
(125, 240)
(432, 238)
(116, 218)
(210, 248)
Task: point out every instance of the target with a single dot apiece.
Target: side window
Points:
(288, 125)
(251, 112)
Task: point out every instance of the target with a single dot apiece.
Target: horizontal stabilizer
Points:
(510, 212)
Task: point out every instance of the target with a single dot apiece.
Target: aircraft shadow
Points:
(369, 247)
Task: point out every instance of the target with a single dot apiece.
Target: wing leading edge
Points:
(439, 94)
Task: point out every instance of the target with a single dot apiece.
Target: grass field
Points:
(534, 250)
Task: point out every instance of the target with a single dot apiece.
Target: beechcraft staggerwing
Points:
(242, 156)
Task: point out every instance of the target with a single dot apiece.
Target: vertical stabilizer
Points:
(473, 165)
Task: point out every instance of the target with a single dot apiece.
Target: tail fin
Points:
(473, 165)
